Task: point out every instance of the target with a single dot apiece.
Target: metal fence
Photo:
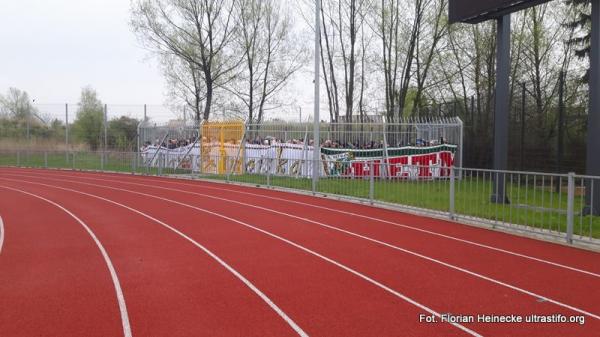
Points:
(554, 206)
(547, 130)
(51, 126)
(153, 133)
(545, 135)
(408, 132)
(380, 135)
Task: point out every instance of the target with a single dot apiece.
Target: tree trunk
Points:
(209, 98)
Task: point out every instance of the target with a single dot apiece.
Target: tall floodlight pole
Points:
(316, 137)
(593, 136)
(501, 108)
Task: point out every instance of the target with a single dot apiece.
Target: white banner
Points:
(295, 160)
(279, 159)
(169, 158)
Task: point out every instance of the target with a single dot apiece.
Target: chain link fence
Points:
(355, 161)
(545, 135)
(56, 126)
(547, 125)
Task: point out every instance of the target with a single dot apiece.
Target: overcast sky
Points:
(53, 48)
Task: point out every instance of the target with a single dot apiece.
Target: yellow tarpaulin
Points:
(221, 147)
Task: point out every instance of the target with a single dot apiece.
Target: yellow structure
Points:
(222, 147)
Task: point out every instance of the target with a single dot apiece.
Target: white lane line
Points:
(1, 234)
(385, 244)
(111, 268)
(396, 224)
(244, 280)
(307, 250)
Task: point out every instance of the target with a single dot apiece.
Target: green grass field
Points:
(534, 203)
(538, 206)
(114, 161)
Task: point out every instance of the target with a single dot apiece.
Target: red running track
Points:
(207, 259)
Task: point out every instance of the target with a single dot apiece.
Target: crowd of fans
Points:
(171, 143)
(328, 144)
(336, 144)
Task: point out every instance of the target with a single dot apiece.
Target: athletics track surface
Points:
(90, 254)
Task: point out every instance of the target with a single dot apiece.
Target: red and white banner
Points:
(415, 166)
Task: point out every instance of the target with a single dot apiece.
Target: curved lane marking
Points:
(385, 244)
(396, 224)
(249, 284)
(111, 268)
(307, 250)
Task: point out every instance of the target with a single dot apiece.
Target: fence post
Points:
(371, 182)
(18, 158)
(73, 161)
(227, 169)
(269, 174)
(452, 192)
(67, 132)
(105, 126)
(101, 161)
(462, 145)
(570, 206)
(45, 159)
(197, 163)
(315, 172)
(200, 167)
(160, 163)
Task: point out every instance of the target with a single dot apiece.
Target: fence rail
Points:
(549, 205)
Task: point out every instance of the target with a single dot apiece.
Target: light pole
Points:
(501, 110)
(316, 136)
(592, 194)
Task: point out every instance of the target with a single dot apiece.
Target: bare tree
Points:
(185, 83)
(271, 56)
(465, 74)
(434, 30)
(351, 18)
(545, 54)
(199, 32)
(365, 42)
(341, 42)
(399, 34)
(328, 53)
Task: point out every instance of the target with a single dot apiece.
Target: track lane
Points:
(507, 269)
(534, 250)
(53, 278)
(562, 256)
(323, 297)
(202, 301)
(510, 269)
(488, 306)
